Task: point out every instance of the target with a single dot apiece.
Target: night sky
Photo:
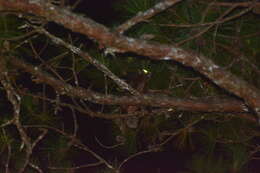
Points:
(101, 11)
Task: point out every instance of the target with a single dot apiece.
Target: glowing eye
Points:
(145, 71)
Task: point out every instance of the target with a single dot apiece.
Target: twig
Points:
(9, 152)
(37, 168)
(76, 143)
(218, 21)
(15, 100)
(143, 16)
(213, 23)
(122, 84)
(133, 156)
(77, 167)
(178, 132)
(40, 137)
(108, 147)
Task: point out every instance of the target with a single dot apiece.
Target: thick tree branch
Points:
(100, 33)
(200, 105)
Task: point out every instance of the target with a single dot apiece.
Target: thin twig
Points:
(122, 84)
(143, 16)
(207, 28)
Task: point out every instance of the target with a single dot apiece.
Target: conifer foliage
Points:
(129, 86)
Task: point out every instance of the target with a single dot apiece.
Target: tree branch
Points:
(122, 84)
(142, 16)
(154, 100)
(100, 33)
(104, 37)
